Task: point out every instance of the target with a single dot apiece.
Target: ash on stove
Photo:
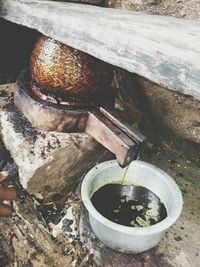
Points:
(5, 94)
(51, 212)
(20, 123)
(7, 163)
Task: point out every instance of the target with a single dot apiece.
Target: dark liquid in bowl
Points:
(129, 205)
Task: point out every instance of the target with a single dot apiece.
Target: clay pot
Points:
(58, 68)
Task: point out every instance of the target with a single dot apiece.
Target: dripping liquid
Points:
(124, 175)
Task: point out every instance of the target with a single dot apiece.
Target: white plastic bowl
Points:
(124, 238)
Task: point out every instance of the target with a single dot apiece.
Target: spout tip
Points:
(132, 154)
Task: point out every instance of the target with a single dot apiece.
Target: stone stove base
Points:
(48, 162)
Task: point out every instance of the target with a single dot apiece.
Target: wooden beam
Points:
(163, 49)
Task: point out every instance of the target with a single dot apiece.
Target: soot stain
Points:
(20, 123)
(5, 94)
(52, 212)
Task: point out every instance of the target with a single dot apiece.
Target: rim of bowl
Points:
(156, 228)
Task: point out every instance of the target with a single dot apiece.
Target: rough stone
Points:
(172, 110)
(176, 112)
(30, 236)
(177, 8)
(48, 162)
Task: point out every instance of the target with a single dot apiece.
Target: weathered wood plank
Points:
(163, 49)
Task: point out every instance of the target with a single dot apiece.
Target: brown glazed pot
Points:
(59, 68)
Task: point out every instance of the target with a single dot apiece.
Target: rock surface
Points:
(177, 8)
(175, 112)
(26, 239)
(48, 162)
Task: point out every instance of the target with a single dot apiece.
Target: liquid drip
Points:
(129, 205)
(124, 175)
